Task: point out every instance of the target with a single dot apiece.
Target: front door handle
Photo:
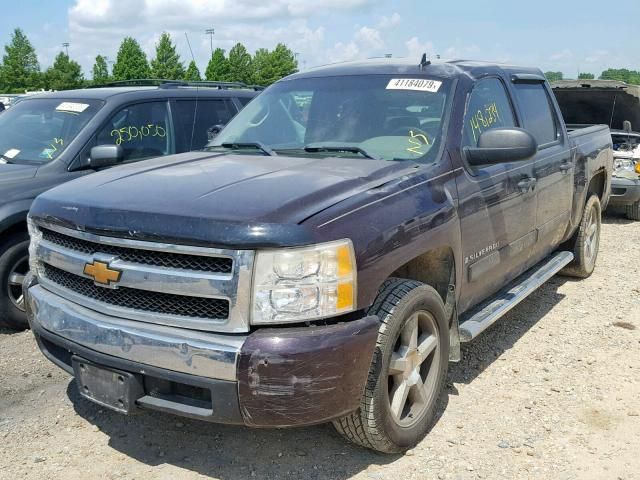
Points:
(527, 184)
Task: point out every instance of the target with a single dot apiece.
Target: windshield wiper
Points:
(244, 145)
(338, 148)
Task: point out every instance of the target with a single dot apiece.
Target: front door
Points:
(497, 206)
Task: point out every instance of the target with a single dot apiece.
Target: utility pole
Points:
(210, 32)
(66, 47)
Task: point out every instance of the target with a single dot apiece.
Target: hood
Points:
(191, 195)
(590, 102)
(12, 172)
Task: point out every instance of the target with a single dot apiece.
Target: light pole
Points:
(210, 32)
(66, 47)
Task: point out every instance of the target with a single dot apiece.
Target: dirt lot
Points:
(552, 391)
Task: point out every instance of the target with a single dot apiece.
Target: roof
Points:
(144, 92)
(405, 66)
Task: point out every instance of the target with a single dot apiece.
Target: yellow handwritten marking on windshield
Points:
(52, 148)
(414, 139)
(131, 133)
(484, 119)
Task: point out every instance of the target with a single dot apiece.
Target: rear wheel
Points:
(14, 265)
(408, 370)
(586, 242)
(633, 211)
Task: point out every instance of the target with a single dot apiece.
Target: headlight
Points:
(623, 164)
(301, 284)
(36, 237)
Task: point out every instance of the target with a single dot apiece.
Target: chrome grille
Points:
(184, 286)
(153, 302)
(144, 257)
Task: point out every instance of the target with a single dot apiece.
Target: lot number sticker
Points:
(72, 107)
(417, 84)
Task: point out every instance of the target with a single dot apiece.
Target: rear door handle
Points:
(565, 167)
(527, 184)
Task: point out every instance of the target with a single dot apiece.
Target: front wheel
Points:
(408, 369)
(14, 265)
(586, 242)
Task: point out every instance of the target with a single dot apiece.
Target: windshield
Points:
(38, 130)
(383, 117)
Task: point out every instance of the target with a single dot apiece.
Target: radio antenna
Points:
(195, 110)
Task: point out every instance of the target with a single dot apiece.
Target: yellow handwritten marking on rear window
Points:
(418, 140)
(484, 119)
(132, 133)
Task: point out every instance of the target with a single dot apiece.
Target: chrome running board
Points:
(478, 319)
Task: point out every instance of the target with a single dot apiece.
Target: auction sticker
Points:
(11, 153)
(72, 107)
(417, 84)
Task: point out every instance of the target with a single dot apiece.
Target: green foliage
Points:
(64, 74)
(192, 74)
(269, 67)
(218, 67)
(553, 76)
(131, 62)
(100, 71)
(20, 68)
(240, 69)
(167, 63)
(622, 75)
(586, 76)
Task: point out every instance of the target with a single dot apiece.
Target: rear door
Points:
(497, 202)
(553, 168)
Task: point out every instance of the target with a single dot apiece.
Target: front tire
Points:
(586, 242)
(408, 370)
(14, 265)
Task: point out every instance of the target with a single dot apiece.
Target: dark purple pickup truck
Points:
(323, 258)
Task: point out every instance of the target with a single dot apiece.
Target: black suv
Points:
(49, 139)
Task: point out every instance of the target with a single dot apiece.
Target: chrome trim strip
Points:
(234, 287)
(196, 353)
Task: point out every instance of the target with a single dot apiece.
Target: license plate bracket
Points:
(111, 388)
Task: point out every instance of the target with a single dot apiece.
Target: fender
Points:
(13, 213)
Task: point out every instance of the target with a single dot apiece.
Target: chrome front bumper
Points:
(205, 355)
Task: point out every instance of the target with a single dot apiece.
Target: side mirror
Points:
(626, 126)
(105, 156)
(500, 145)
(212, 132)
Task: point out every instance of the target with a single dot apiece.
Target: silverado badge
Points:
(101, 273)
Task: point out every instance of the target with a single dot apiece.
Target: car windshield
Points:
(38, 130)
(383, 117)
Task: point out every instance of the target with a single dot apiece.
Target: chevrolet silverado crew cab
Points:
(588, 102)
(325, 256)
(50, 138)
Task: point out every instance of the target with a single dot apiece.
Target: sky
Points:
(561, 35)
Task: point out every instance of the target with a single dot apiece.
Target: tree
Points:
(64, 74)
(239, 65)
(263, 71)
(218, 67)
(167, 63)
(586, 76)
(622, 75)
(20, 67)
(131, 62)
(100, 71)
(192, 74)
(553, 76)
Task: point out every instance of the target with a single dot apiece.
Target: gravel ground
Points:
(550, 391)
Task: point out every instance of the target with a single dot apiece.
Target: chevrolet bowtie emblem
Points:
(101, 273)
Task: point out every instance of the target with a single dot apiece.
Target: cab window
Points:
(143, 130)
(488, 107)
(537, 114)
